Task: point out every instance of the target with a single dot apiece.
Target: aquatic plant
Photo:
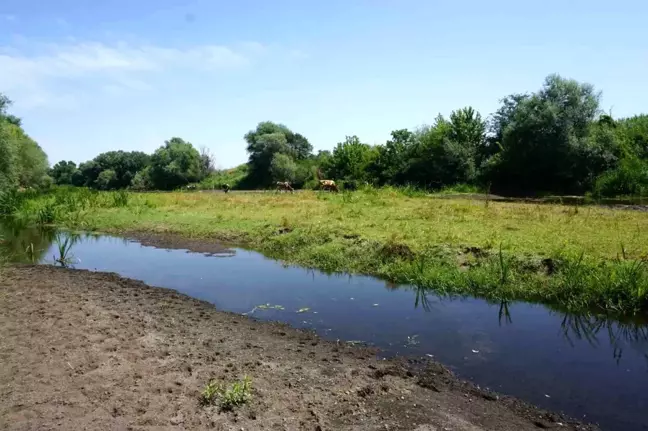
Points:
(31, 254)
(64, 245)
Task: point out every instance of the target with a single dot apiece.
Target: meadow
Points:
(578, 257)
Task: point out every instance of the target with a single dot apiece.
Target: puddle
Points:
(589, 368)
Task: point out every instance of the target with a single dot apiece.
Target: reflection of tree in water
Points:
(24, 244)
(504, 313)
(573, 326)
(588, 327)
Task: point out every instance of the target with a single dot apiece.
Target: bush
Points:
(630, 178)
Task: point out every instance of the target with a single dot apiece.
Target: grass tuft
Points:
(227, 397)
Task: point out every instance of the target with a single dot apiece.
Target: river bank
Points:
(578, 258)
(94, 350)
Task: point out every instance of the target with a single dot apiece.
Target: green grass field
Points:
(579, 257)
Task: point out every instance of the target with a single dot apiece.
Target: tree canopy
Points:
(268, 140)
(23, 163)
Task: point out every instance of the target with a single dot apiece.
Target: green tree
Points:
(267, 140)
(283, 168)
(629, 178)
(90, 171)
(175, 164)
(141, 180)
(62, 172)
(107, 180)
(543, 139)
(390, 164)
(634, 132)
(22, 160)
(351, 159)
(8, 158)
(78, 179)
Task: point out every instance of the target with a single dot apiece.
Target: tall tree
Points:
(543, 137)
(175, 164)
(267, 140)
(62, 172)
(351, 160)
(390, 164)
(22, 161)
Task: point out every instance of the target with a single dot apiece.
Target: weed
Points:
(46, 214)
(120, 198)
(10, 202)
(227, 397)
(504, 267)
(29, 250)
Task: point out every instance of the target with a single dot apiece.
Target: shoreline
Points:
(105, 350)
(580, 260)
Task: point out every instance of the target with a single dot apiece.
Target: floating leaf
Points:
(303, 310)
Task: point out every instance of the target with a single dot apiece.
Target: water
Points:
(589, 368)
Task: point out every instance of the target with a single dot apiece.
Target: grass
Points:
(227, 397)
(588, 257)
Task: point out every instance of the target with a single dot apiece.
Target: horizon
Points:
(87, 79)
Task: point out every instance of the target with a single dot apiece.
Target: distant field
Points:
(382, 215)
(576, 256)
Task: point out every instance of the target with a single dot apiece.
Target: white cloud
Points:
(119, 65)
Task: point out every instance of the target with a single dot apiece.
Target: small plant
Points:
(505, 268)
(64, 245)
(234, 395)
(31, 254)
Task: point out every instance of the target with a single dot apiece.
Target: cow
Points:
(225, 188)
(284, 186)
(328, 185)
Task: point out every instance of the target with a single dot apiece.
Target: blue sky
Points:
(91, 76)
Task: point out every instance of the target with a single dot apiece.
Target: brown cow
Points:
(328, 185)
(285, 186)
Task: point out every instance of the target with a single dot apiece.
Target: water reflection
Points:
(619, 333)
(24, 245)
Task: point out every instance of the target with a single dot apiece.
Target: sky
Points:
(93, 76)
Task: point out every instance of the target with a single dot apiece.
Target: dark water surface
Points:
(588, 367)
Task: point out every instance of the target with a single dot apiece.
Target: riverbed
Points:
(589, 367)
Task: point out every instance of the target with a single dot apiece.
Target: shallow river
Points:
(590, 368)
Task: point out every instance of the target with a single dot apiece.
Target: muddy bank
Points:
(85, 350)
(207, 246)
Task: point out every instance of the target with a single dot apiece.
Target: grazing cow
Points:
(225, 187)
(328, 185)
(284, 186)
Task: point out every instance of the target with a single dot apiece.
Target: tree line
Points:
(174, 164)
(553, 141)
(556, 140)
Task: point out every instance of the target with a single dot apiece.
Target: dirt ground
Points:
(94, 351)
